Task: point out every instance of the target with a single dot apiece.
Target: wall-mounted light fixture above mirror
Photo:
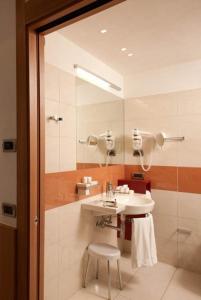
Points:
(95, 79)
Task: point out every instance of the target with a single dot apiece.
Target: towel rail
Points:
(106, 221)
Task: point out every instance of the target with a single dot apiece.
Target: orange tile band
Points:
(162, 177)
(181, 179)
(60, 188)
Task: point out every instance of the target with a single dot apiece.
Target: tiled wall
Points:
(60, 137)
(176, 171)
(177, 114)
(60, 188)
(68, 231)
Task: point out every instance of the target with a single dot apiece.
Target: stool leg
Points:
(119, 274)
(97, 269)
(109, 280)
(87, 267)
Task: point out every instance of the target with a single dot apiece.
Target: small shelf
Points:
(84, 188)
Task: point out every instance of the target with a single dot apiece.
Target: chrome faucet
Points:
(110, 193)
(109, 189)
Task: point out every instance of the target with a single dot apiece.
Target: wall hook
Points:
(55, 118)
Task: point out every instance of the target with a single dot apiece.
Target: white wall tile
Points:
(176, 114)
(166, 202)
(189, 205)
(52, 261)
(67, 154)
(151, 107)
(51, 126)
(193, 234)
(189, 149)
(189, 102)
(67, 88)
(51, 291)
(51, 227)
(167, 251)
(52, 154)
(60, 136)
(51, 82)
(189, 257)
(166, 227)
(68, 125)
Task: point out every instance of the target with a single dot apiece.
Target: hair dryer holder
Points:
(161, 138)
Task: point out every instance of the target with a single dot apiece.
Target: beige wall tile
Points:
(189, 150)
(166, 202)
(189, 102)
(151, 106)
(166, 238)
(52, 154)
(51, 289)
(67, 88)
(52, 262)
(68, 125)
(166, 227)
(51, 82)
(177, 114)
(189, 257)
(69, 282)
(189, 205)
(60, 101)
(194, 228)
(51, 126)
(67, 157)
(51, 227)
(167, 251)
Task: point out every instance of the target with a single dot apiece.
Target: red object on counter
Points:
(139, 186)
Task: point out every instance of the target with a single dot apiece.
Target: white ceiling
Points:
(160, 33)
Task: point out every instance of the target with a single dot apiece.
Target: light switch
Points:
(9, 145)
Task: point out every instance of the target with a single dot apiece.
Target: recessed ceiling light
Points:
(130, 54)
(123, 49)
(103, 31)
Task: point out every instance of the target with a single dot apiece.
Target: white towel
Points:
(143, 245)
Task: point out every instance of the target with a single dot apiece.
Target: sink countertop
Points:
(130, 204)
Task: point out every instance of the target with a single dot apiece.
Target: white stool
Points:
(107, 252)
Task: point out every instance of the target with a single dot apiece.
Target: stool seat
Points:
(105, 251)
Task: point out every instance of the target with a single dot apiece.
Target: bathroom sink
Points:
(139, 205)
(126, 204)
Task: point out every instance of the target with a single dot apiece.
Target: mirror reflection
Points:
(99, 126)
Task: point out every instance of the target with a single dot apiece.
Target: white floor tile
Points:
(121, 298)
(185, 285)
(161, 282)
(149, 283)
(84, 295)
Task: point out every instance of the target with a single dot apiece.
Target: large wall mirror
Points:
(84, 123)
(100, 126)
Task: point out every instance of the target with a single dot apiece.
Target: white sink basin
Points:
(138, 205)
(135, 204)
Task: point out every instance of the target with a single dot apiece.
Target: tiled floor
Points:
(161, 282)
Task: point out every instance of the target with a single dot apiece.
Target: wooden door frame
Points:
(32, 23)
